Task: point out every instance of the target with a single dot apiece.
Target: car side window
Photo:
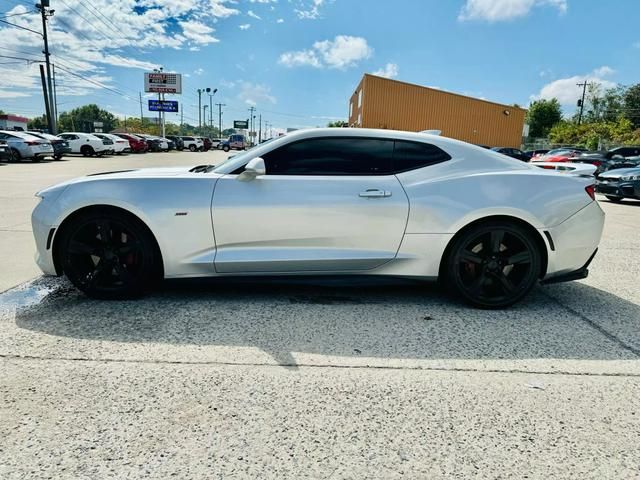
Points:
(413, 155)
(332, 156)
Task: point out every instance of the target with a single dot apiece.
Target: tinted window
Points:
(411, 155)
(331, 156)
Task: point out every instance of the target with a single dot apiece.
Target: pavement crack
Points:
(317, 365)
(596, 326)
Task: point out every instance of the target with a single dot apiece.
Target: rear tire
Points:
(108, 255)
(192, 148)
(15, 155)
(493, 264)
(87, 150)
(614, 199)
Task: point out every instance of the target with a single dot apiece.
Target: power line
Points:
(21, 27)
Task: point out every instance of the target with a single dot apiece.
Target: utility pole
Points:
(581, 101)
(211, 109)
(43, 6)
(181, 118)
(251, 123)
(141, 114)
(55, 97)
(204, 114)
(220, 105)
(260, 130)
(47, 105)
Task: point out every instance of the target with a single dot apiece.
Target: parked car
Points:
(120, 145)
(193, 143)
(619, 184)
(136, 143)
(234, 142)
(60, 145)
(207, 144)
(512, 152)
(536, 152)
(170, 143)
(86, 144)
(215, 142)
(156, 144)
(25, 146)
(179, 143)
(325, 201)
(629, 162)
(558, 155)
(627, 151)
(5, 152)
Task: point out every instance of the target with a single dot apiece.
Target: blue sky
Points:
(298, 61)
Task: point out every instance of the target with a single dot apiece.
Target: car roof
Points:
(21, 134)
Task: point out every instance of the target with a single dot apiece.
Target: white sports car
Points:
(326, 202)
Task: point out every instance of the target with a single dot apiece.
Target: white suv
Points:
(85, 143)
(193, 143)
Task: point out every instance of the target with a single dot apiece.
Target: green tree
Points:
(38, 123)
(631, 104)
(81, 119)
(338, 124)
(542, 115)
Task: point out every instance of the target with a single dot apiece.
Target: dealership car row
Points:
(18, 145)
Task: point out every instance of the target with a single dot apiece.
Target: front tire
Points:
(108, 255)
(225, 148)
(493, 264)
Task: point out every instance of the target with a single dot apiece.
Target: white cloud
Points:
(567, 91)
(252, 14)
(280, 20)
(263, 1)
(500, 10)
(342, 52)
(88, 36)
(198, 32)
(254, 93)
(309, 10)
(390, 70)
(245, 26)
(198, 71)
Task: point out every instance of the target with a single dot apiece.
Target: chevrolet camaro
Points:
(326, 202)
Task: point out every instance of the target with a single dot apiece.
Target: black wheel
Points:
(614, 199)
(57, 157)
(87, 150)
(192, 148)
(35, 159)
(225, 148)
(15, 155)
(494, 264)
(108, 255)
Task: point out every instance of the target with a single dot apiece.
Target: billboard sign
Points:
(163, 82)
(163, 106)
(240, 124)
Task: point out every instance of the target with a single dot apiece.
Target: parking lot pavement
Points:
(265, 380)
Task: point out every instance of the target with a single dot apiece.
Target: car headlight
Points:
(630, 178)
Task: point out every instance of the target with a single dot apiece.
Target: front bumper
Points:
(622, 189)
(43, 238)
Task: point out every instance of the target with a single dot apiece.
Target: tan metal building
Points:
(384, 103)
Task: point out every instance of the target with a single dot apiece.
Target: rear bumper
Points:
(574, 242)
(582, 272)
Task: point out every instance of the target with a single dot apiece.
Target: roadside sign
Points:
(240, 124)
(163, 106)
(252, 134)
(163, 82)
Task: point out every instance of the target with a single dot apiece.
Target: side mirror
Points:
(253, 169)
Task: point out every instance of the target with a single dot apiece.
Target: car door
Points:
(324, 205)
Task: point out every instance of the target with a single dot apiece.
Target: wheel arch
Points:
(55, 248)
(535, 234)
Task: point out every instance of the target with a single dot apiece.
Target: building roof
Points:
(437, 90)
(14, 118)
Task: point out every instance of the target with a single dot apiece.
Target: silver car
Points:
(326, 202)
(26, 146)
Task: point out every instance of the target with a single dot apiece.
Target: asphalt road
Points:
(221, 380)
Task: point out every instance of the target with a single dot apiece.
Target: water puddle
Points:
(29, 294)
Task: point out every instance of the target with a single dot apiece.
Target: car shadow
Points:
(406, 321)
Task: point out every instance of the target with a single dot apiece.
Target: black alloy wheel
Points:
(494, 264)
(108, 255)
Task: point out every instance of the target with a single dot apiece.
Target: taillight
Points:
(591, 191)
(32, 144)
(596, 163)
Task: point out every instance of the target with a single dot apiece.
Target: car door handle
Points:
(375, 193)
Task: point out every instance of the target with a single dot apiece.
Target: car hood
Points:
(139, 173)
(620, 172)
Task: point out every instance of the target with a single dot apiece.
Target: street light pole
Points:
(211, 108)
(204, 114)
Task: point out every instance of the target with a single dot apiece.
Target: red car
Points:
(137, 144)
